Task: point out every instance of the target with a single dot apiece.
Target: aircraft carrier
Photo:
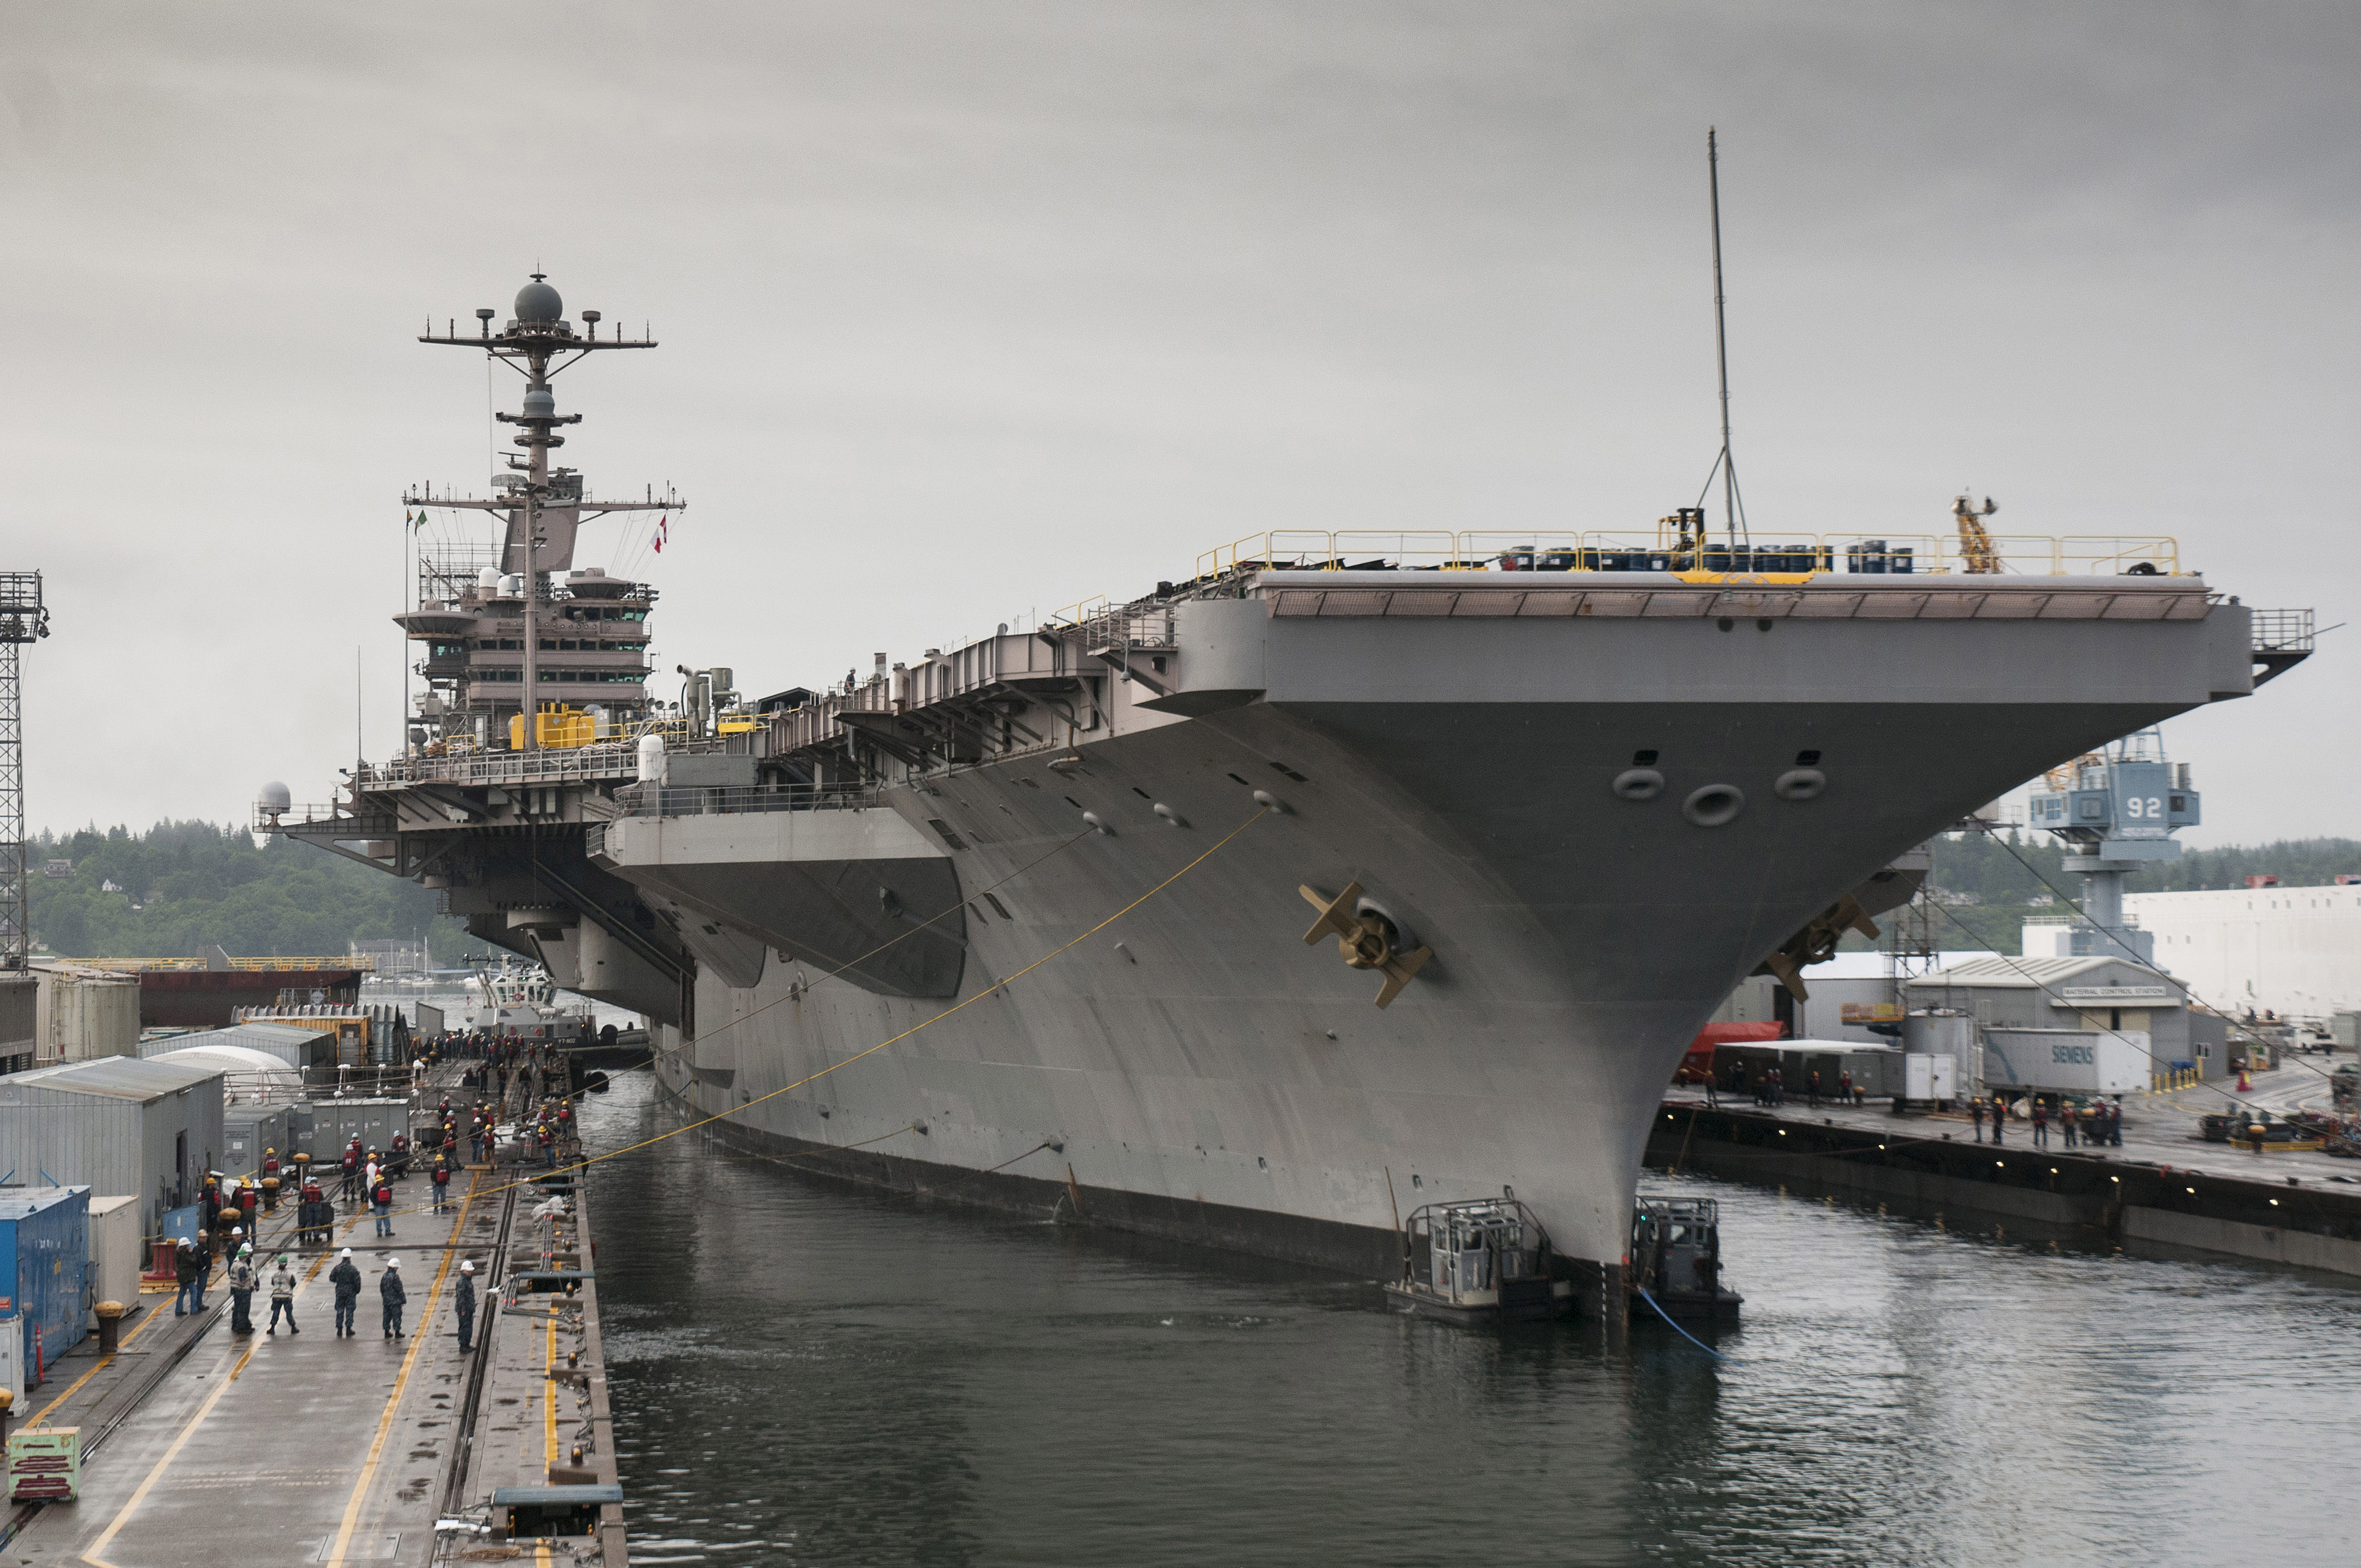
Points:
(1342, 874)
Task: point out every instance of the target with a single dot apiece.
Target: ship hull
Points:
(1195, 1069)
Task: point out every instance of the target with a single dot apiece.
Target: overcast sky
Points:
(971, 310)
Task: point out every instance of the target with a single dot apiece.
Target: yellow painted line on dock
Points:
(401, 1380)
(100, 1366)
(93, 1555)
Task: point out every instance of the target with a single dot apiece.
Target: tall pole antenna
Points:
(24, 621)
(1721, 338)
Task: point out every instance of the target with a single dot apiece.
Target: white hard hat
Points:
(346, 1253)
(393, 1263)
(466, 1267)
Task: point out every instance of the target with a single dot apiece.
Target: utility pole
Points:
(24, 619)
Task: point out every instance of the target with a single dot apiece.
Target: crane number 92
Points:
(2149, 807)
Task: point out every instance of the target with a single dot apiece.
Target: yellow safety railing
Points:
(2165, 1082)
(309, 962)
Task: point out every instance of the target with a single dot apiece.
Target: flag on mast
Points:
(664, 531)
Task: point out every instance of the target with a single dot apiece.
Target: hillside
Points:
(1992, 885)
(181, 887)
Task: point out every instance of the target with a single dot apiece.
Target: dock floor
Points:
(311, 1448)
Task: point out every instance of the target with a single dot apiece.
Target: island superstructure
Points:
(1449, 843)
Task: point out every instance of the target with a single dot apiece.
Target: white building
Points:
(2292, 950)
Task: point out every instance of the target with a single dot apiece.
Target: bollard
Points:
(110, 1325)
(270, 1195)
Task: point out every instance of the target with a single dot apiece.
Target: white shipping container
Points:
(2068, 1061)
(115, 1251)
(1929, 1076)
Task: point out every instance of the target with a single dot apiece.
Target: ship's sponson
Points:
(1598, 818)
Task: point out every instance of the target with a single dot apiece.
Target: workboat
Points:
(1478, 1261)
(1676, 1260)
(1341, 874)
(519, 1000)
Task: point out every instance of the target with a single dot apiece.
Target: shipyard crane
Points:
(1975, 544)
(23, 620)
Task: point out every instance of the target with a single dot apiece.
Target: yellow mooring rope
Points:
(927, 1024)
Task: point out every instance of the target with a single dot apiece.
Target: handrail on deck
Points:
(1593, 550)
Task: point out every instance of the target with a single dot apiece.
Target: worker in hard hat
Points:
(282, 1296)
(346, 1278)
(465, 1302)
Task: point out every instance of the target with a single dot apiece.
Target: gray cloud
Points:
(972, 310)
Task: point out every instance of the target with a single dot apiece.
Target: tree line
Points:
(181, 887)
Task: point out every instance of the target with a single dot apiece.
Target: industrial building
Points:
(116, 1125)
(298, 1043)
(19, 1010)
(2031, 1014)
(83, 1013)
(2295, 951)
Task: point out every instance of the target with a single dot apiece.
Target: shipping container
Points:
(44, 1268)
(117, 1252)
(247, 1132)
(336, 1121)
(119, 1125)
(2068, 1061)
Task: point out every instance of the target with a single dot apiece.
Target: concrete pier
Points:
(214, 1448)
(2164, 1187)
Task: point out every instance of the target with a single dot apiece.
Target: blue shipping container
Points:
(44, 1268)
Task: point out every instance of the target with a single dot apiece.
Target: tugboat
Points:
(1477, 1262)
(1676, 1260)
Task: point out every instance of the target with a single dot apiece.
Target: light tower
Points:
(2116, 810)
(23, 620)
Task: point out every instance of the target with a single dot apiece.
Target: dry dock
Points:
(215, 1448)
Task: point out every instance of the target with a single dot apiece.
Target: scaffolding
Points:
(23, 620)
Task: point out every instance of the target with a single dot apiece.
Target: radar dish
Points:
(538, 303)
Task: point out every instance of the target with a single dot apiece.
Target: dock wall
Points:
(2020, 1190)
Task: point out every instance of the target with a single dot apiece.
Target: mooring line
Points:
(991, 990)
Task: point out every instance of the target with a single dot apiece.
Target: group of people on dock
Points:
(2095, 1125)
(523, 1078)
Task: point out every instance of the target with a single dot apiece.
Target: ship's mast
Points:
(539, 334)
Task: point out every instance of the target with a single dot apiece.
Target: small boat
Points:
(1479, 1261)
(1676, 1260)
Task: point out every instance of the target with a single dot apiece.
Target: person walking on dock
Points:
(465, 1302)
(346, 1278)
(390, 1293)
(282, 1296)
(1976, 1109)
(442, 1176)
(2066, 1118)
(241, 1292)
(381, 1200)
(351, 1168)
(2040, 1123)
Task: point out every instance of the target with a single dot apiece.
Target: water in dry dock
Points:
(809, 1374)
